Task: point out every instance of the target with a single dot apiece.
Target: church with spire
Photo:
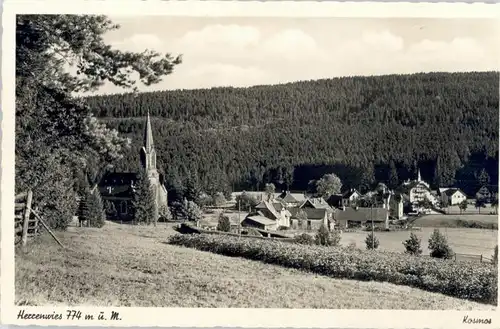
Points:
(117, 188)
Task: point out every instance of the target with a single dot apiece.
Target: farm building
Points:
(260, 222)
(361, 216)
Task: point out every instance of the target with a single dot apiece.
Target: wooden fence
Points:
(25, 226)
(471, 257)
(27, 221)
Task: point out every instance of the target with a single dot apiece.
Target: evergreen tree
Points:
(412, 245)
(193, 189)
(438, 245)
(483, 178)
(164, 213)
(371, 241)
(224, 224)
(191, 211)
(144, 202)
(325, 238)
(96, 212)
(82, 210)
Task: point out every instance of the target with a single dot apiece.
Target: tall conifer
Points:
(144, 203)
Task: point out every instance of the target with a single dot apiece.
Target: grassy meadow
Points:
(439, 220)
(462, 240)
(122, 265)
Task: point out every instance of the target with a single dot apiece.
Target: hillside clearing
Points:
(121, 265)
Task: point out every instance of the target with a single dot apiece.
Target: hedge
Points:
(465, 280)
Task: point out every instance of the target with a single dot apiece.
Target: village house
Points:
(274, 211)
(418, 191)
(396, 206)
(452, 196)
(344, 200)
(292, 199)
(117, 188)
(361, 216)
(315, 218)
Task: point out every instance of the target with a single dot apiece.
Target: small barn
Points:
(260, 222)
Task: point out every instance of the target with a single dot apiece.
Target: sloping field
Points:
(122, 265)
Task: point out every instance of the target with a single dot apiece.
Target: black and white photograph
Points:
(341, 163)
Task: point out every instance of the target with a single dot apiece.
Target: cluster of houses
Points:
(342, 211)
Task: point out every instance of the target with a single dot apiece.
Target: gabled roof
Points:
(361, 214)
(484, 189)
(441, 190)
(292, 197)
(317, 203)
(451, 191)
(350, 193)
(260, 220)
(268, 209)
(311, 213)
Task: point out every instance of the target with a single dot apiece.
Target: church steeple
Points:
(148, 153)
(419, 178)
(148, 136)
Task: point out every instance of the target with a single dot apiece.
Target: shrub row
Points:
(466, 280)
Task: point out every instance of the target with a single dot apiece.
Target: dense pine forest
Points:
(364, 129)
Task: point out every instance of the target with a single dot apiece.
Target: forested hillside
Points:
(365, 129)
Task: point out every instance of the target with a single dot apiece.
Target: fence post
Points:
(481, 259)
(27, 213)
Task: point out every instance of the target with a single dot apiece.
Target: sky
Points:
(243, 52)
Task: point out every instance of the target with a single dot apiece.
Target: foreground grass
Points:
(132, 266)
